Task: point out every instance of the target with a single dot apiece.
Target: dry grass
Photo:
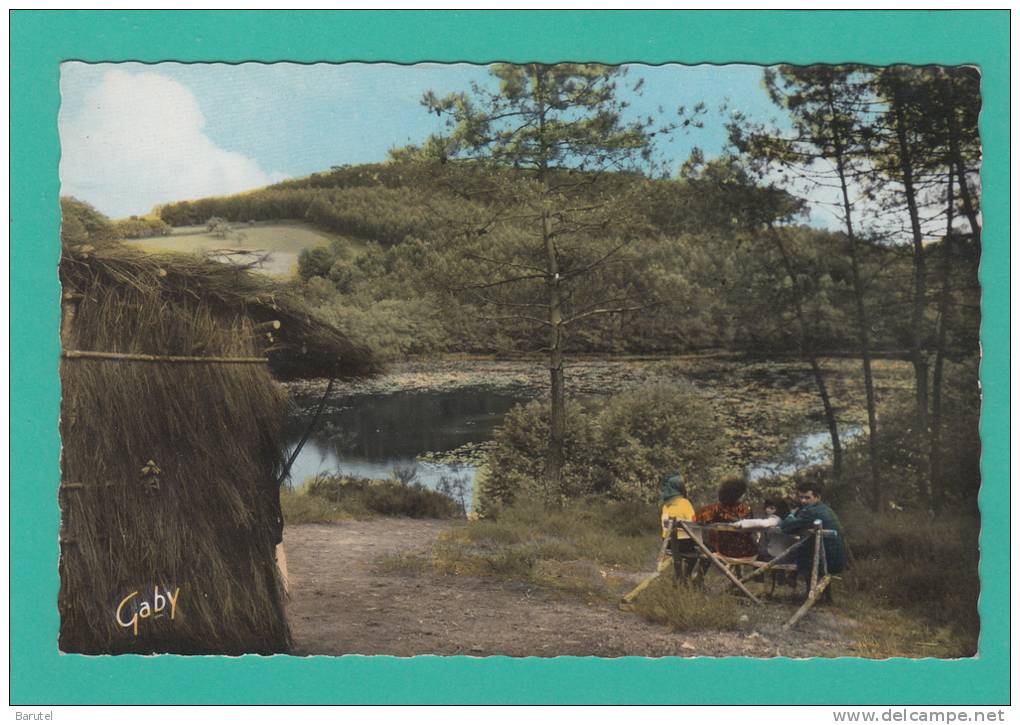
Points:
(684, 608)
(588, 549)
(326, 499)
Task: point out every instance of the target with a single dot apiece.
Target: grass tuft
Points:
(326, 499)
(686, 608)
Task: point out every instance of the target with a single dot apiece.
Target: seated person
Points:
(775, 511)
(730, 509)
(811, 509)
(675, 506)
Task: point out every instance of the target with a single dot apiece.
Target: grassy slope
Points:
(284, 240)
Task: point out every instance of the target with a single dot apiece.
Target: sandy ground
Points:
(282, 240)
(344, 602)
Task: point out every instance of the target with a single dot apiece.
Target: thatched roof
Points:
(173, 447)
(299, 346)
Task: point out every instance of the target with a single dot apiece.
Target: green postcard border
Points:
(40, 40)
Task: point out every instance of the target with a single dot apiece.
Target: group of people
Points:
(753, 544)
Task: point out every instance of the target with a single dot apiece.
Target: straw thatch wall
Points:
(205, 518)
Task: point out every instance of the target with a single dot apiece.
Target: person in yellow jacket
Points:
(675, 505)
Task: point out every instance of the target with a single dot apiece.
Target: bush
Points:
(516, 460)
(135, 228)
(80, 223)
(619, 449)
(903, 452)
(923, 564)
(652, 430)
(685, 608)
(315, 262)
(388, 498)
(300, 508)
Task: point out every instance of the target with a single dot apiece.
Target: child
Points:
(675, 506)
(775, 511)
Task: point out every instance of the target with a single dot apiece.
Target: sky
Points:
(135, 135)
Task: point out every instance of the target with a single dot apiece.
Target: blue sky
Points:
(134, 135)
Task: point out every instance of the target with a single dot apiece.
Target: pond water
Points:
(374, 436)
(382, 436)
(805, 450)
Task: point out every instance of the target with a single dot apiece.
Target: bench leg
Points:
(810, 602)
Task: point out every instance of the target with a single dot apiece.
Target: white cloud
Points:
(138, 141)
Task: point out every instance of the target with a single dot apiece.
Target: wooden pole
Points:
(674, 553)
(811, 599)
(718, 564)
(643, 584)
(281, 565)
(815, 557)
(775, 561)
(140, 357)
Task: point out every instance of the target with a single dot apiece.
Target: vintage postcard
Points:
(677, 356)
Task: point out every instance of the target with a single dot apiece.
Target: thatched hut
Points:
(172, 450)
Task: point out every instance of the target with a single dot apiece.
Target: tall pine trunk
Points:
(935, 454)
(918, 355)
(969, 209)
(863, 338)
(555, 456)
(557, 398)
(807, 352)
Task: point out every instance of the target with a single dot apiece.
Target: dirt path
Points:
(343, 602)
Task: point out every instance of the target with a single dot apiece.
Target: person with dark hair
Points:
(730, 509)
(775, 511)
(777, 507)
(811, 509)
(771, 541)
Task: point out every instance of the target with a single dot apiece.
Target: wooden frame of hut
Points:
(172, 449)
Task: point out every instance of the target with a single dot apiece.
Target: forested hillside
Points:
(706, 277)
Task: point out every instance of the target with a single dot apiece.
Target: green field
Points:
(282, 240)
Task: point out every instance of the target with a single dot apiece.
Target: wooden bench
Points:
(782, 549)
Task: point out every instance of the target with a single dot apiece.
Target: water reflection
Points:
(806, 450)
(371, 436)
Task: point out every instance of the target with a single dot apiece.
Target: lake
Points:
(382, 436)
(374, 436)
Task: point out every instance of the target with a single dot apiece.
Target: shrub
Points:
(619, 449)
(80, 223)
(687, 608)
(388, 498)
(515, 462)
(923, 564)
(315, 262)
(300, 508)
(135, 228)
(655, 429)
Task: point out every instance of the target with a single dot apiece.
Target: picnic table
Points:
(732, 567)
